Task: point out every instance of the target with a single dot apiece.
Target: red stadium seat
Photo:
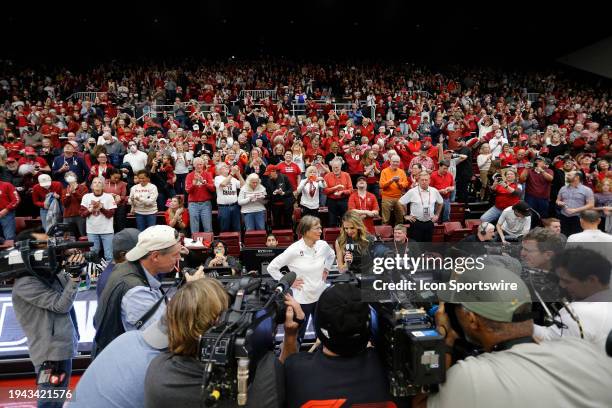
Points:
(472, 224)
(231, 241)
(438, 234)
(457, 212)
(20, 224)
(255, 239)
(284, 237)
(330, 235)
(384, 232)
(206, 236)
(454, 231)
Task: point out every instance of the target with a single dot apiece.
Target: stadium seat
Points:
(255, 238)
(438, 234)
(297, 215)
(284, 237)
(454, 231)
(384, 232)
(330, 235)
(232, 242)
(472, 224)
(206, 236)
(20, 224)
(457, 212)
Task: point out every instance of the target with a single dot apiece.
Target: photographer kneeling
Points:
(514, 370)
(44, 308)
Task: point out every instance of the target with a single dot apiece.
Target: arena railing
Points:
(532, 96)
(87, 96)
(300, 108)
(258, 94)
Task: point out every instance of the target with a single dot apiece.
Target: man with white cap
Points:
(133, 297)
(40, 192)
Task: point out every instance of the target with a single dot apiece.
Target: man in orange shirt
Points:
(364, 204)
(339, 187)
(393, 183)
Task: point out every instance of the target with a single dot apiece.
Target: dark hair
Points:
(582, 262)
(590, 216)
(217, 242)
(114, 170)
(546, 240)
(145, 172)
(27, 234)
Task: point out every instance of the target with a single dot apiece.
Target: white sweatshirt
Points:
(308, 263)
(147, 199)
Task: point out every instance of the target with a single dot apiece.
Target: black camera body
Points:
(26, 259)
(231, 349)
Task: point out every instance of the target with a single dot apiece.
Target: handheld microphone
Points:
(284, 284)
(349, 247)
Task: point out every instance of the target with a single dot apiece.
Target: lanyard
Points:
(428, 198)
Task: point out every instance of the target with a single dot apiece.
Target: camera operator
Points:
(585, 275)
(44, 308)
(514, 222)
(484, 233)
(133, 297)
(514, 370)
(345, 369)
(174, 378)
(116, 377)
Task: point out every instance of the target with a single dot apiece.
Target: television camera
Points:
(231, 349)
(45, 258)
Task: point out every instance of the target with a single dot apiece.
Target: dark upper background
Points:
(503, 34)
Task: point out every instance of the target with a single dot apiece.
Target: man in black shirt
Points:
(345, 370)
(464, 172)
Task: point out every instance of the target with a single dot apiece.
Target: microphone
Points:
(349, 247)
(284, 284)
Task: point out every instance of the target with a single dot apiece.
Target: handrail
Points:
(91, 96)
(259, 94)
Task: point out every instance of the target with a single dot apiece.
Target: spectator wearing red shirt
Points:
(72, 195)
(353, 158)
(291, 170)
(364, 204)
(177, 216)
(199, 186)
(339, 187)
(13, 146)
(39, 195)
(443, 181)
(507, 193)
(9, 200)
(507, 156)
(538, 181)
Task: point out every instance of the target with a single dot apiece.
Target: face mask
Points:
(71, 179)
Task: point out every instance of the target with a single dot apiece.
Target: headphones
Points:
(482, 229)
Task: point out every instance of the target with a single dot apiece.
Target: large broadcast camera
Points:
(46, 258)
(231, 349)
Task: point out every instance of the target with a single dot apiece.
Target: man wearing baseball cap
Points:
(515, 370)
(133, 297)
(346, 368)
(38, 164)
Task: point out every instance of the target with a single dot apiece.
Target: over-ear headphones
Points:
(483, 227)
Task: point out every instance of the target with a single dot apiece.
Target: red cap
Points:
(427, 139)
(29, 151)
(270, 169)
(523, 137)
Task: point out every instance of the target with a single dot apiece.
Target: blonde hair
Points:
(362, 232)
(191, 312)
(312, 170)
(250, 178)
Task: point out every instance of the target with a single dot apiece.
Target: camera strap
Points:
(145, 318)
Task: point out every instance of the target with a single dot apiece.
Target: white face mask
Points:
(71, 179)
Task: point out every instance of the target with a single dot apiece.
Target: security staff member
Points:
(425, 207)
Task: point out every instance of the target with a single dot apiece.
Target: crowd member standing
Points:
(309, 189)
(538, 181)
(40, 193)
(339, 187)
(72, 195)
(572, 199)
(9, 200)
(227, 183)
(310, 258)
(143, 199)
(251, 200)
(98, 208)
(425, 209)
(364, 204)
(442, 180)
(280, 193)
(393, 183)
(199, 185)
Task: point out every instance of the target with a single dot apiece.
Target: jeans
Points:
(200, 210)
(7, 224)
(229, 218)
(43, 218)
(179, 185)
(255, 221)
(79, 224)
(106, 240)
(446, 210)
(539, 205)
(65, 366)
(144, 221)
(492, 215)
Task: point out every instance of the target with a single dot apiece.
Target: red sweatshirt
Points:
(199, 193)
(9, 198)
(39, 193)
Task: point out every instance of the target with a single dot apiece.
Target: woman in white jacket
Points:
(309, 187)
(251, 200)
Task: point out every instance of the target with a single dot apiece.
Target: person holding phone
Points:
(310, 188)
(220, 259)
